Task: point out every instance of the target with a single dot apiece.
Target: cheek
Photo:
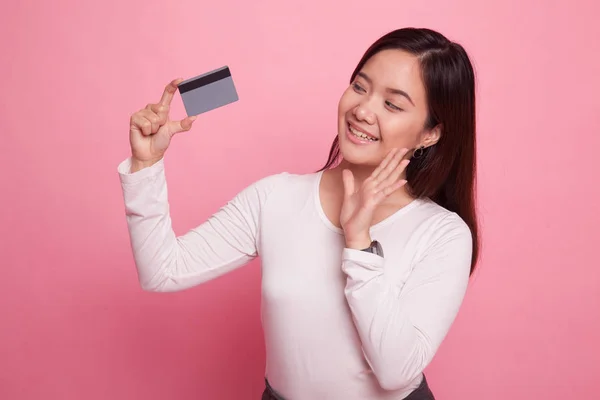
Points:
(346, 103)
(399, 132)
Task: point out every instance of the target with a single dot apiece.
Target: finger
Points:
(388, 190)
(348, 180)
(142, 123)
(390, 166)
(169, 92)
(393, 175)
(383, 164)
(161, 110)
(154, 119)
(181, 126)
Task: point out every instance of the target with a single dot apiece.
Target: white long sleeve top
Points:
(339, 323)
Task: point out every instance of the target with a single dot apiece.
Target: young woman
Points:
(364, 263)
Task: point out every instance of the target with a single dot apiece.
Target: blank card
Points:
(208, 91)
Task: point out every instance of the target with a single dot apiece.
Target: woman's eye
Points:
(393, 106)
(357, 87)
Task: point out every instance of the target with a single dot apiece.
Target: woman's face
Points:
(385, 107)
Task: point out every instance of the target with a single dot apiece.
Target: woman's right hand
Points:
(151, 130)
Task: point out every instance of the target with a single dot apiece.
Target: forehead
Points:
(396, 69)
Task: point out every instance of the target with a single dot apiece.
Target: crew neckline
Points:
(330, 225)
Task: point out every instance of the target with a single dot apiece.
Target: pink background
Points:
(76, 325)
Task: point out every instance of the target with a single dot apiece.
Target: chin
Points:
(357, 155)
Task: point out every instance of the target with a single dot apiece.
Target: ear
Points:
(432, 136)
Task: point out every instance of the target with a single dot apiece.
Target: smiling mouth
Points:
(361, 135)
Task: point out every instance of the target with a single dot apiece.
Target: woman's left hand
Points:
(360, 203)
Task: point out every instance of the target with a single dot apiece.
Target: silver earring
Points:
(418, 153)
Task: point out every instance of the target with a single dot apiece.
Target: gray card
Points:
(208, 91)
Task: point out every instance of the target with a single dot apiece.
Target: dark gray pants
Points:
(421, 393)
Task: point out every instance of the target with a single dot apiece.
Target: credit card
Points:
(208, 91)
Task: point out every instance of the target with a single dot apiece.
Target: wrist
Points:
(359, 243)
(137, 165)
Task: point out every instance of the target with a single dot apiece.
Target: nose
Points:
(363, 113)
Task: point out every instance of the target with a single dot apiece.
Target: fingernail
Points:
(193, 118)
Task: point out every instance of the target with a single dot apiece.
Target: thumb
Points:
(181, 126)
(348, 179)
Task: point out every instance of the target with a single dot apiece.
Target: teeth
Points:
(360, 134)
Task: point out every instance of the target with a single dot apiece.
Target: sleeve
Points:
(402, 326)
(166, 262)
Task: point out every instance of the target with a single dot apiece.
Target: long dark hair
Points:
(446, 171)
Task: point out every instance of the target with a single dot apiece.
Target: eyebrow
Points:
(391, 90)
